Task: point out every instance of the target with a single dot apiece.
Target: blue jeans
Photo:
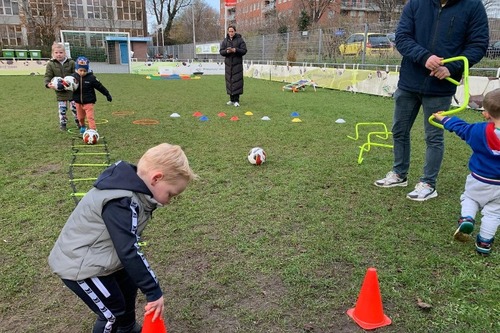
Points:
(406, 108)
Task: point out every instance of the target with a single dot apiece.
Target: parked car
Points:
(392, 38)
(493, 50)
(376, 44)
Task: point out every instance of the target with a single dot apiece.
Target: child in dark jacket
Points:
(98, 255)
(84, 96)
(482, 187)
(61, 66)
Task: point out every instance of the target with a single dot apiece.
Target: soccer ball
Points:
(58, 83)
(257, 156)
(90, 137)
(70, 83)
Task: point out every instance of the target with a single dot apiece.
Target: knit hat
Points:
(82, 62)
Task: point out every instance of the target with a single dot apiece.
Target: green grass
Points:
(283, 247)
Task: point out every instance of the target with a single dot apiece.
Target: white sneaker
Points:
(391, 179)
(422, 192)
(229, 103)
(236, 104)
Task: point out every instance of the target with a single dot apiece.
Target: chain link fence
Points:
(320, 47)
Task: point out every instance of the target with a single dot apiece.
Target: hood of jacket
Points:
(122, 176)
(236, 35)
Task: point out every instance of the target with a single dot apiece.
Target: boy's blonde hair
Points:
(169, 159)
(58, 46)
(491, 103)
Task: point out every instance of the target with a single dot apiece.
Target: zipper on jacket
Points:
(450, 28)
(81, 89)
(436, 29)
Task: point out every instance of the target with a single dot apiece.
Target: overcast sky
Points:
(214, 3)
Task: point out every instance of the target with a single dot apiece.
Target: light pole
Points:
(194, 32)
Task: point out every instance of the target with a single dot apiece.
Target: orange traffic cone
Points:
(368, 312)
(158, 326)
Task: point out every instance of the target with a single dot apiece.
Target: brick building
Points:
(252, 15)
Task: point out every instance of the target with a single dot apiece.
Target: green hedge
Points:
(96, 54)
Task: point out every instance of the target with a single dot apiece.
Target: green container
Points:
(8, 53)
(35, 54)
(21, 54)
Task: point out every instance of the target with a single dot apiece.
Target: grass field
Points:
(283, 247)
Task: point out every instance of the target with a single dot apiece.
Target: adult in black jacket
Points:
(233, 48)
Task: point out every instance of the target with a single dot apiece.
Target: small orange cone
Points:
(158, 326)
(368, 312)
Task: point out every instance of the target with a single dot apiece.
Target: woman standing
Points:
(233, 48)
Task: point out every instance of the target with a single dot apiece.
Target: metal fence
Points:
(317, 46)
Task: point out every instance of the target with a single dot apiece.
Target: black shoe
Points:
(62, 127)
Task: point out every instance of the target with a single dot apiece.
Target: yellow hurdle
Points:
(465, 80)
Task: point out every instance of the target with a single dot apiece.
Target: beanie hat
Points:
(82, 62)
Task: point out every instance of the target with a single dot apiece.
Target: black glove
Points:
(109, 98)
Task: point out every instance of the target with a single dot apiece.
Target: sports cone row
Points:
(368, 312)
(158, 326)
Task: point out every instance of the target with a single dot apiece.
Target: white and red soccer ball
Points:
(67, 83)
(70, 83)
(57, 83)
(256, 156)
(90, 137)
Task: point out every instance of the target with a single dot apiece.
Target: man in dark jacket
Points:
(233, 48)
(428, 32)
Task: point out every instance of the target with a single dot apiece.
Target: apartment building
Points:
(38, 22)
(252, 15)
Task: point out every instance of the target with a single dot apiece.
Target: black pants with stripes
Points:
(111, 297)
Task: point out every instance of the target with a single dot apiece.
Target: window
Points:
(9, 7)
(10, 35)
(100, 9)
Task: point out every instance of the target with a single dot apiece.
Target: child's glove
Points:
(109, 98)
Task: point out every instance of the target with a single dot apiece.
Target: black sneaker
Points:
(62, 127)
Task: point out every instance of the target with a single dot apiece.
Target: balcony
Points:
(269, 7)
(359, 5)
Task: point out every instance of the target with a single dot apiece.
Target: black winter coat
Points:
(85, 93)
(234, 63)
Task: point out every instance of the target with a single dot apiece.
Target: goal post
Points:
(108, 52)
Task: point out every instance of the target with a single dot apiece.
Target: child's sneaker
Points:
(483, 246)
(465, 228)
(83, 129)
(391, 179)
(62, 127)
(230, 103)
(236, 104)
(422, 192)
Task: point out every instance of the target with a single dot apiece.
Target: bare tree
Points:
(312, 10)
(43, 19)
(389, 11)
(164, 13)
(110, 21)
(200, 17)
